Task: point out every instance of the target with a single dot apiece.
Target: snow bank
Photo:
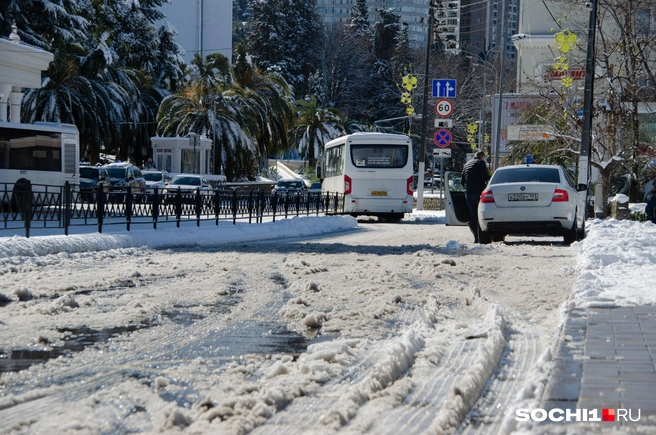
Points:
(201, 237)
(615, 274)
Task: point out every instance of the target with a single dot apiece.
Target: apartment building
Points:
(204, 26)
(460, 25)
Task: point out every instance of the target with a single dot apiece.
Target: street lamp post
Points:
(503, 41)
(483, 111)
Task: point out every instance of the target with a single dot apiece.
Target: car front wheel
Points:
(581, 234)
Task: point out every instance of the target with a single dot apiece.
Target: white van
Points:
(373, 171)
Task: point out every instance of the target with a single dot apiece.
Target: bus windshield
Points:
(30, 150)
(379, 156)
(42, 153)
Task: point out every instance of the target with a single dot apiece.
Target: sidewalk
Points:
(607, 360)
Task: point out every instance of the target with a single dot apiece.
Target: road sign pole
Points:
(441, 183)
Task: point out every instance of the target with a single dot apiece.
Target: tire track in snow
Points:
(445, 392)
(420, 400)
(487, 416)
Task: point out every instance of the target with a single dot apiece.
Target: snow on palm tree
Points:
(315, 127)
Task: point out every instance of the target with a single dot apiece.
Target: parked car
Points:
(532, 199)
(289, 186)
(93, 179)
(428, 180)
(315, 188)
(123, 174)
(156, 179)
(186, 183)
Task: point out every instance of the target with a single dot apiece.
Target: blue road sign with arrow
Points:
(444, 88)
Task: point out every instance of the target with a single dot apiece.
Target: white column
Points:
(5, 90)
(176, 164)
(15, 99)
(201, 161)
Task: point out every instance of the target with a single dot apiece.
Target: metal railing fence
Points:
(32, 206)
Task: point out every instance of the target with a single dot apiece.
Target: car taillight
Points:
(347, 185)
(487, 197)
(409, 184)
(560, 195)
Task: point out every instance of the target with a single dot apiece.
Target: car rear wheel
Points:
(498, 237)
(484, 237)
(571, 235)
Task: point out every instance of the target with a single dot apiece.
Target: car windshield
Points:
(152, 176)
(525, 175)
(89, 173)
(116, 172)
(189, 181)
(290, 184)
(316, 185)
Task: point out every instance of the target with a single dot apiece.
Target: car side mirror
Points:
(582, 187)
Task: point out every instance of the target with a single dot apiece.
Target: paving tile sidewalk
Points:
(607, 359)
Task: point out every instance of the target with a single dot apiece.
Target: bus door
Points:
(456, 211)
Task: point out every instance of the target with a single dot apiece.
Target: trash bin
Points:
(619, 207)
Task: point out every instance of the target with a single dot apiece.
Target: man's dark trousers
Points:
(472, 203)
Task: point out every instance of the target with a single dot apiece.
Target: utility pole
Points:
(586, 130)
(424, 112)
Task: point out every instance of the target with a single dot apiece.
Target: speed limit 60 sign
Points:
(443, 108)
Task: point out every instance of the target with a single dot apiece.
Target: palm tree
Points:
(211, 104)
(272, 107)
(249, 116)
(69, 95)
(315, 126)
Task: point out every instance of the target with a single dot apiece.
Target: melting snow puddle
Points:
(75, 340)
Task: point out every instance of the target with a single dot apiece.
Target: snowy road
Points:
(408, 330)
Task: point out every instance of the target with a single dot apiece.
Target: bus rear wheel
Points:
(19, 196)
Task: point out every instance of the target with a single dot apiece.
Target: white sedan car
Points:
(186, 184)
(531, 200)
(155, 179)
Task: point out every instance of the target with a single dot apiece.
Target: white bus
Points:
(42, 153)
(373, 171)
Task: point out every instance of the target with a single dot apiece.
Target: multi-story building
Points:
(204, 26)
(535, 40)
(480, 26)
(414, 13)
(460, 25)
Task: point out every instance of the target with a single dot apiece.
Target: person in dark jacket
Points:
(650, 209)
(474, 178)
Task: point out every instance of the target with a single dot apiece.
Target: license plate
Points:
(522, 197)
(378, 193)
